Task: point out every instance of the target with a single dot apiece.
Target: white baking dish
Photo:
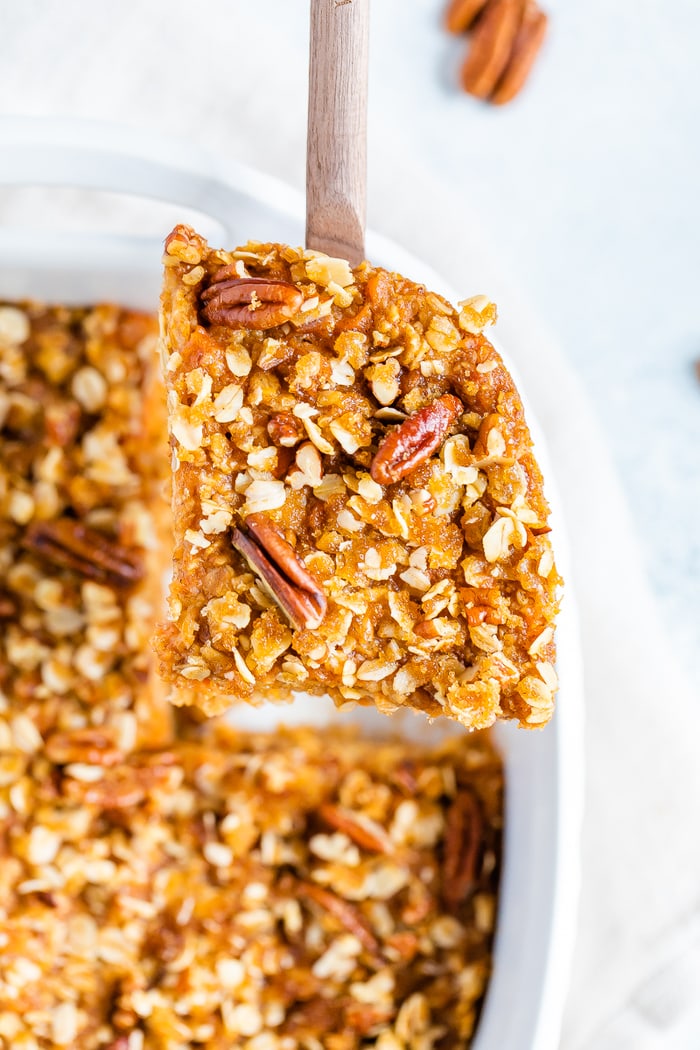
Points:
(544, 769)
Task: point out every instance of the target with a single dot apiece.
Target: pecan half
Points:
(463, 847)
(461, 14)
(68, 544)
(249, 302)
(415, 440)
(491, 46)
(526, 46)
(276, 563)
(365, 833)
(62, 423)
(345, 913)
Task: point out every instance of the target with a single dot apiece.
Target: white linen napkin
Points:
(636, 975)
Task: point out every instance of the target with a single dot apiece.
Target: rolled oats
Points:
(214, 908)
(81, 515)
(384, 445)
(278, 891)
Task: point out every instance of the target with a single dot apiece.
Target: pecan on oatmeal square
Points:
(357, 507)
(82, 525)
(279, 891)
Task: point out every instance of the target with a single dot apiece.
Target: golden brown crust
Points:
(440, 586)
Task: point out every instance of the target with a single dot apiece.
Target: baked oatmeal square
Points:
(358, 510)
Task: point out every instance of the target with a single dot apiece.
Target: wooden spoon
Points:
(336, 147)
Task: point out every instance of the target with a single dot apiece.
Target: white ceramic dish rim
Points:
(539, 888)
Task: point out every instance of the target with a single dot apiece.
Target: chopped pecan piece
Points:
(412, 479)
(426, 629)
(365, 1017)
(420, 904)
(249, 302)
(406, 776)
(285, 459)
(275, 561)
(62, 423)
(364, 832)
(344, 963)
(404, 943)
(184, 244)
(463, 847)
(91, 746)
(346, 914)
(405, 448)
(122, 786)
(120, 1043)
(507, 37)
(68, 544)
(119, 790)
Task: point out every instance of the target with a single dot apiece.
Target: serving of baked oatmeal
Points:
(357, 507)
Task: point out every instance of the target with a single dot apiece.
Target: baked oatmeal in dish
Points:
(284, 891)
(166, 885)
(357, 507)
(82, 515)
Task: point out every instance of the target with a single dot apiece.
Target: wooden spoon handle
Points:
(336, 146)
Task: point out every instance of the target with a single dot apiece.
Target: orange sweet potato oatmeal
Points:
(82, 525)
(280, 891)
(357, 507)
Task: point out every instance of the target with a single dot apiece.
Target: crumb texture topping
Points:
(358, 510)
